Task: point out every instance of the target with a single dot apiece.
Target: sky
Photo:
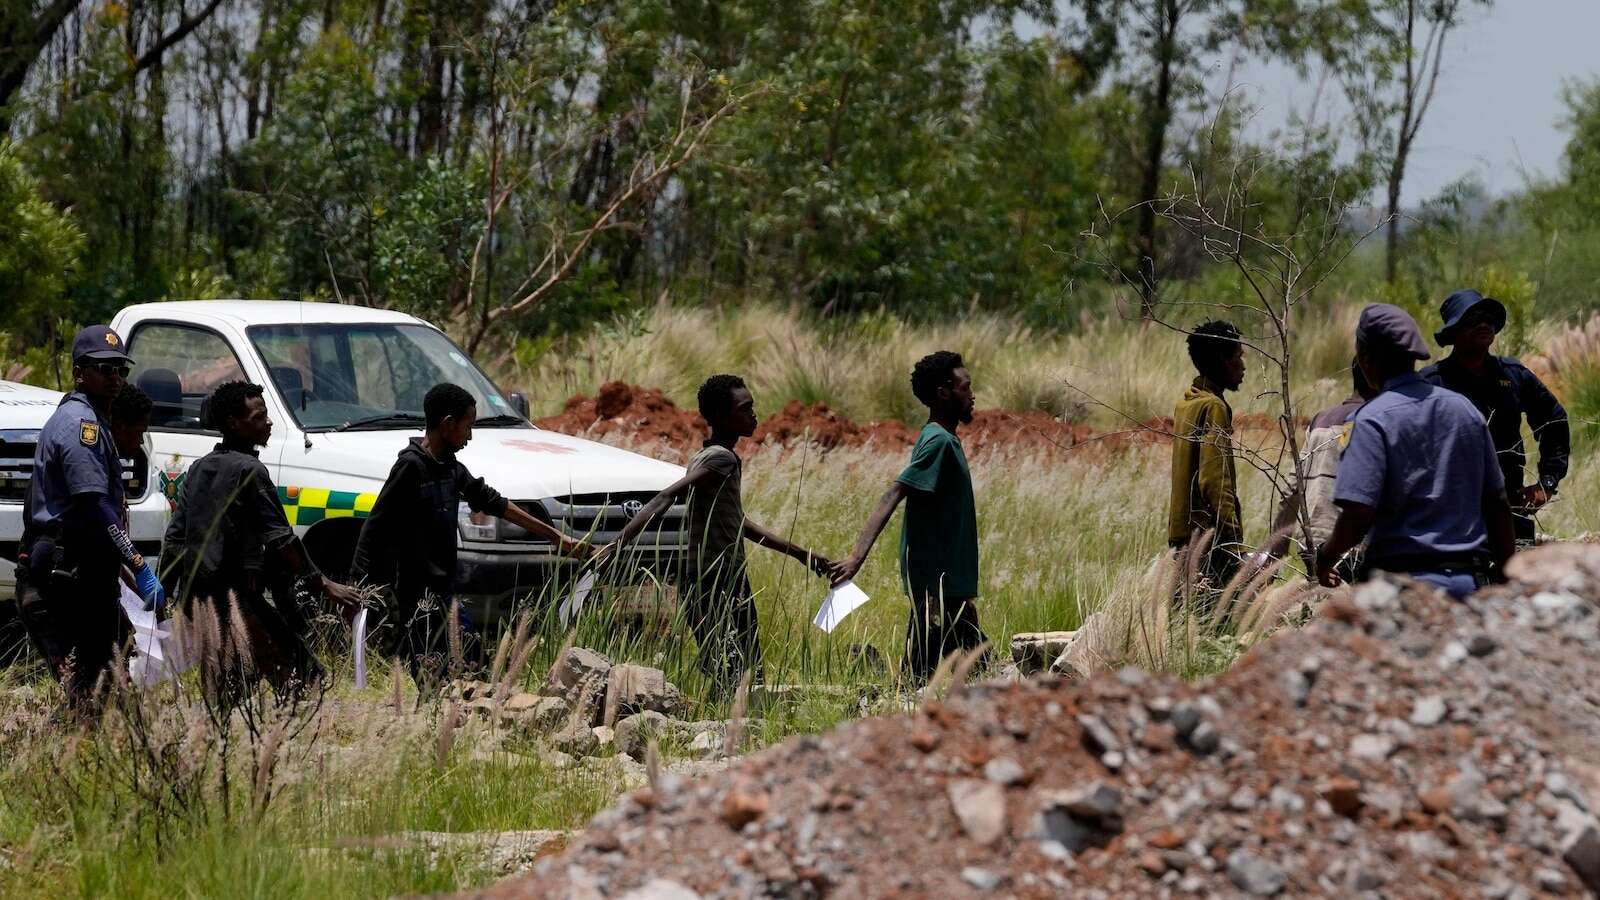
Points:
(1498, 110)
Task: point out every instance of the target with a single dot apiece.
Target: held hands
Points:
(580, 550)
(845, 570)
(818, 564)
(1534, 497)
(150, 590)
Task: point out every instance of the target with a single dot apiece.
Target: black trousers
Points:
(939, 626)
(74, 621)
(415, 626)
(274, 631)
(721, 612)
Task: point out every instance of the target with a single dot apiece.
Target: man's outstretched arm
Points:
(816, 562)
(845, 570)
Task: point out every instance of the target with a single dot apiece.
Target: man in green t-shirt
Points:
(939, 547)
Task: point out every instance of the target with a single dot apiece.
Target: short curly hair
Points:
(131, 404)
(228, 401)
(715, 397)
(934, 371)
(1210, 342)
(443, 400)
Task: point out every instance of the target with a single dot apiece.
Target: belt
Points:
(1474, 563)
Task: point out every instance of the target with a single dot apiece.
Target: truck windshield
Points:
(369, 376)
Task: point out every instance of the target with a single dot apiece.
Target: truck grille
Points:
(17, 448)
(599, 517)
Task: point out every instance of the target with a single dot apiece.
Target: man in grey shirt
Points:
(715, 588)
(1419, 473)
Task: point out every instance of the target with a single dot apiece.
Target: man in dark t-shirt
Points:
(229, 545)
(714, 587)
(939, 546)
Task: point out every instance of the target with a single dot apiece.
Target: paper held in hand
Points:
(841, 601)
(568, 611)
(358, 638)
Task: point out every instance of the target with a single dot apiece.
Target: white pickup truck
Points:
(344, 387)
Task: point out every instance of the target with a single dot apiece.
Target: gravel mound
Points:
(1399, 745)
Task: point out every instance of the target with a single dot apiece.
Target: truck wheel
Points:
(331, 544)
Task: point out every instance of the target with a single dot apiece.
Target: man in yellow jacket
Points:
(1205, 484)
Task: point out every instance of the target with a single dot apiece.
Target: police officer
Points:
(1419, 471)
(77, 534)
(1505, 391)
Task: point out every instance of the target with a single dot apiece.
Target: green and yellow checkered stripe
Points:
(305, 505)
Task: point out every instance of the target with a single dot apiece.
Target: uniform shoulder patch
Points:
(1344, 434)
(89, 433)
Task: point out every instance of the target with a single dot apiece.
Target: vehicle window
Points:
(336, 375)
(179, 366)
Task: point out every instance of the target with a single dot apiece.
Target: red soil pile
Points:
(1401, 745)
(627, 414)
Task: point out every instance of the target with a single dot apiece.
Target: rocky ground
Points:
(1400, 745)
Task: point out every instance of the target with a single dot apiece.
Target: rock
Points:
(1098, 735)
(1152, 863)
(1481, 645)
(1296, 685)
(1557, 567)
(1428, 711)
(1243, 800)
(1003, 770)
(661, 889)
(1374, 747)
(1551, 881)
(577, 739)
(1343, 795)
(980, 807)
(1085, 655)
(706, 745)
(632, 689)
(1205, 738)
(982, 879)
(605, 738)
(572, 668)
(741, 806)
(1581, 851)
(1096, 803)
(1034, 651)
(1254, 875)
(521, 701)
(633, 733)
(500, 852)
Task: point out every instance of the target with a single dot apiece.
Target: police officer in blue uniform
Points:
(77, 532)
(1505, 391)
(1419, 473)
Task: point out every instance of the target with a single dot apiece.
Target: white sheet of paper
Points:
(358, 639)
(150, 662)
(568, 611)
(840, 602)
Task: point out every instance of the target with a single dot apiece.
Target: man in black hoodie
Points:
(409, 541)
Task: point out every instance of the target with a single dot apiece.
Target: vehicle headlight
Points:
(477, 526)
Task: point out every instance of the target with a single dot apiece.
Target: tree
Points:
(37, 259)
(1391, 65)
(26, 29)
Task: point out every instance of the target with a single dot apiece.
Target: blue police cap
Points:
(1386, 326)
(1455, 308)
(99, 342)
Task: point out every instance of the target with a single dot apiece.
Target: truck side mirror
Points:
(519, 402)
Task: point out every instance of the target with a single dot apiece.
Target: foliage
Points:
(38, 258)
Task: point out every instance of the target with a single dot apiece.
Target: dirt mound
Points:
(1400, 745)
(625, 413)
(642, 416)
